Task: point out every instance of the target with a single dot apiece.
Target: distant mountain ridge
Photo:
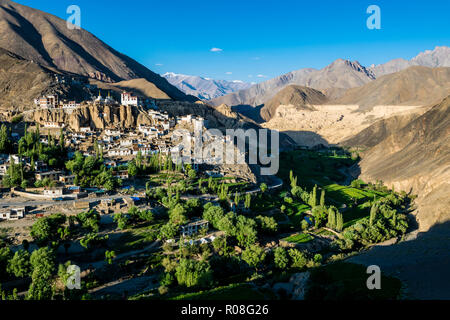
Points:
(340, 74)
(204, 88)
(415, 86)
(335, 78)
(45, 39)
(439, 57)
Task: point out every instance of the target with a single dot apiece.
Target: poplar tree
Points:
(331, 218)
(373, 214)
(339, 222)
(322, 198)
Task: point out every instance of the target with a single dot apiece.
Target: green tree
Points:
(298, 258)
(20, 265)
(168, 231)
(109, 256)
(5, 140)
(254, 256)
(193, 273)
(5, 256)
(248, 200)
(313, 197)
(281, 259)
(192, 174)
(373, 214)
(322, 198)
(132, 168)
(246, 233)
(43, 265)
(267, 224)
(263, 187)
(339, 222)
(331, 218)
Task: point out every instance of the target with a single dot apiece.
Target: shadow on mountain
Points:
(422, 263)
(251, 112)
(308, 139)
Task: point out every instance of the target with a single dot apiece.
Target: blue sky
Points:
(258, 37)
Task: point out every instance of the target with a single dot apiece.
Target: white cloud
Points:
(216, 50)
(158, 64)
(229, 72)
(261, 76)
(250, 76)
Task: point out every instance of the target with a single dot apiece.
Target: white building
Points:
(54, 192)
(50, 101)
(71, 105)
(13, 214)
(127, 99)
(51, 124)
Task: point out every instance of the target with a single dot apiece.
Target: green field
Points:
(299, 238)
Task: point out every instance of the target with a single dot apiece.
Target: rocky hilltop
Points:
(298, 96)
(45, 39)
(416, 158)
(95, 116)
(340, 74)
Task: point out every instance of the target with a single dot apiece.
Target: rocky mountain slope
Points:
(204, 88)
(333, 80)
(414, 86)
(417, 157)
(43, 38)
(297, 96)
(340, 74)
(21, 81)
(439, 57)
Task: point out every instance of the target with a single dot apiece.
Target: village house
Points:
(122, 174)
(4, 169)
(55, 125)
(52, 175)
(13, 214)
(67, 180)
(71, 105)
(193, 228)
(54, 192)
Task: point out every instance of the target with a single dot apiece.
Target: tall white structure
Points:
(129, 100)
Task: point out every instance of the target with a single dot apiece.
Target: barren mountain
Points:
(340, 74)
(414, 86)
(439, 57)
(204, 88)
(21, 80)
(43, 38)
(380, 130)
(417, 158)
(297, 96)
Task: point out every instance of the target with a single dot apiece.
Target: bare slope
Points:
(44, 38)
(340, 74)
(417, 157)
(414, 86)
(297, 96)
